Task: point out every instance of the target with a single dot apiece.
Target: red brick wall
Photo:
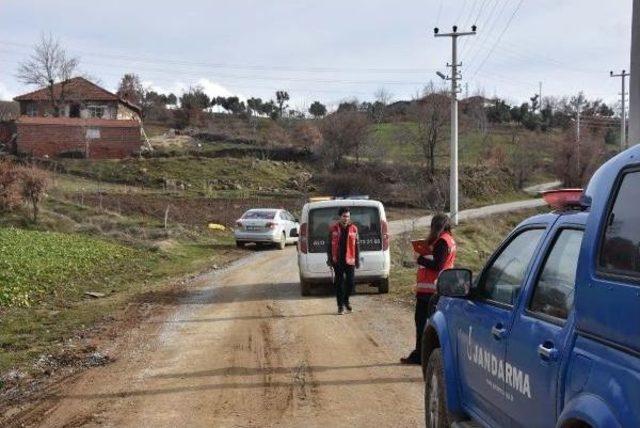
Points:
(51, 140)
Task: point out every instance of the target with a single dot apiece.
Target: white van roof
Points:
(343, 203)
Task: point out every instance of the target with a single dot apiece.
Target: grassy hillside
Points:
(196, 174)
(394, 140)
(476, 239)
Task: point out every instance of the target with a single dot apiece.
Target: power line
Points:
(485, 27)
(261, 77)
(253, 67)
(439, 13)
(464, 6)
(513, 15)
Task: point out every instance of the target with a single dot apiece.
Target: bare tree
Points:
(575, 163)
(382, 97)
(34, 185)
(8, 110)
(344, 134)
(478, 114)
(48, 65)
(131, 89)
(430, 115)
(524, 157)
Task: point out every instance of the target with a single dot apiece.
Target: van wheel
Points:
(435, 403)
(305, 288)
(283, 241)
(383, 286)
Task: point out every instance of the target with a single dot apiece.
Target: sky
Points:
(330, 50)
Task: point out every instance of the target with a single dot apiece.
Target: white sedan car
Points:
(266, 226)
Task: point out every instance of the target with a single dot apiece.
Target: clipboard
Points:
(421, 247)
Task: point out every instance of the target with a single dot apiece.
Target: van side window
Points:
(553, 293)
(620, 250)
(502, 280)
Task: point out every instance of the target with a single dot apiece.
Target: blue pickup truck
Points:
(548, 333)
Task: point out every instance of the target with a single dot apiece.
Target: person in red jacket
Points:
(343, 256)
(443, 256)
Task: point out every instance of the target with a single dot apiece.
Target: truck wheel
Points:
(305, 288)
(383, 286)
(283, 241)
(435, 403)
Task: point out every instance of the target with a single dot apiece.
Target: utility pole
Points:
(634, 82)
(578, 111)
(578, 105)
(453, 180)
(623, 115)
(540, 97)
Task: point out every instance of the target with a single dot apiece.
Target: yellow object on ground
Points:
(216, 226)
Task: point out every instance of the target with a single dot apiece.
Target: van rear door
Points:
(366, 218)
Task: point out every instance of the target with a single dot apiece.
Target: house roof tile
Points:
(75, 89)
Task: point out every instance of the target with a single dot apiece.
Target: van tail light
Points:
(270, 225)
(303, 243)
(384, 227)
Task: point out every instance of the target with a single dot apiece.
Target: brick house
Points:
(92, 123)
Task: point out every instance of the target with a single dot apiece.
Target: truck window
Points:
(502, 280)
(620, 251)
(367, 219)
(553, 293)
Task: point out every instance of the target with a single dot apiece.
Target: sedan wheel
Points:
(283, 241)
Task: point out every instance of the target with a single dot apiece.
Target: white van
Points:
(371, 220)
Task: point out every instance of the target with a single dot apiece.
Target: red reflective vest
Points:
(426, 278)
(352, 239)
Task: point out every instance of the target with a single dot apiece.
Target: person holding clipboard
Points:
(436, 253)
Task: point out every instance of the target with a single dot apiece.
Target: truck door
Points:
(484, 323)
(539, 336)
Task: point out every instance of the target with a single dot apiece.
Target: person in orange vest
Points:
(343, 256)
(443, 256)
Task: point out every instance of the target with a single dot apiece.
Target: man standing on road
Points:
(343, 256)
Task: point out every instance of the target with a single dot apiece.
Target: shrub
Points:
(34, 183)
(10, 192)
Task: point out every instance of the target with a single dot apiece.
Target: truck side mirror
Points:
(454, 283)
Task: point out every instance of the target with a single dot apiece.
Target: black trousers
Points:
(343, 282)
(425, 306)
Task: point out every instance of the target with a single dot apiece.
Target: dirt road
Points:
(243, 349)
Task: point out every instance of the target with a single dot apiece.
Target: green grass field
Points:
(35, 265)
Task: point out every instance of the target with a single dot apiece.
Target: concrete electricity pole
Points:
(455, 76)
(623, 116)
(540, 97)
(634, 82)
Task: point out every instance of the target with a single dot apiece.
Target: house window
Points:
(96, 111)
(92, 133)
(32, 110)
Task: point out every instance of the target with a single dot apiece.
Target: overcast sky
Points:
(329, 50)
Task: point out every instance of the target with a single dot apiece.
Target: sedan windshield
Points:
(259, 215)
